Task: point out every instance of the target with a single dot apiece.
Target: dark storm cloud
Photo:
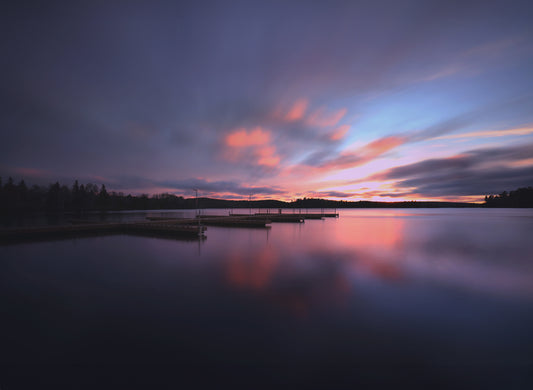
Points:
(476, 172)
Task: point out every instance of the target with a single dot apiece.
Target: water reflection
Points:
(252, 270)
(455, 251)
(287, 282)
(443, 296)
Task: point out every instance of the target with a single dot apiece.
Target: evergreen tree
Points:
(76, 197)
(103, 198)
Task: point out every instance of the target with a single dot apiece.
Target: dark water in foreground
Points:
(375, 297)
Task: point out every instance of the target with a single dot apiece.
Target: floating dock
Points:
(89, 229)
(295, 215)
(231, 221)
(294, 218)
(181, 228)
(219, 220)
(288, 217)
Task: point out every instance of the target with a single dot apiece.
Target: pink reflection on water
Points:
(290, 282)
(329, 263)
(313, 265)
(469, 249)
(373, 246)
(252, 270)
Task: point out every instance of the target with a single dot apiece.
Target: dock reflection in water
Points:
(386, 296)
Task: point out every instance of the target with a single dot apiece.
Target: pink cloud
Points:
(364, 154)
(383, 145)
(267, 156)
(297, 111)
(339, 133)
(491, 133)
(243, 138)
(251, 146)
(320, 118)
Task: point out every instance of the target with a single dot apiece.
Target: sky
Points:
(352, 100)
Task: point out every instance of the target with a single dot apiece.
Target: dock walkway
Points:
(83, 229)
(189, 228)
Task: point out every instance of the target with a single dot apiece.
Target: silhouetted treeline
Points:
(19, 198)
(522, 197)
(80, 198)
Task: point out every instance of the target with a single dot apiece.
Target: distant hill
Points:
(324, 203)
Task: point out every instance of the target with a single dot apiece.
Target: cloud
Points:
(382, 145)
(322, 118)
(491, 133)
(253, 147)
(339, 133)
(334, 194)
(151, 90)
(243, 138)
(297, 111)
(447, 71)
(358, 157)
(327, 157)
(218, 187)
(475, 182)
(443, 127)
(476, 172)
(267, 156)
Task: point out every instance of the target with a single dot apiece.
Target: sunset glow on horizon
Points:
(351, 101)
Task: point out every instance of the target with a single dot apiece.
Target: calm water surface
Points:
(421, 297)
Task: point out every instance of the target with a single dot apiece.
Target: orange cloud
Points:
(297, 111)
(321, 119)
(382, 145)
(251, 145)
(267, 156)
(369, 153)
(242, 138)
(364, 154)
(339, 132)
(491, 133)
(521, 163)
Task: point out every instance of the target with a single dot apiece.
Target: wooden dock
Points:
(180, 228)
(288, 217)
(90, 229)
(231, 221)
(303, 216)
(219, 220)
(272, 217)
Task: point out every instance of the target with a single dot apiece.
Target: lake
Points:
(419, 297)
